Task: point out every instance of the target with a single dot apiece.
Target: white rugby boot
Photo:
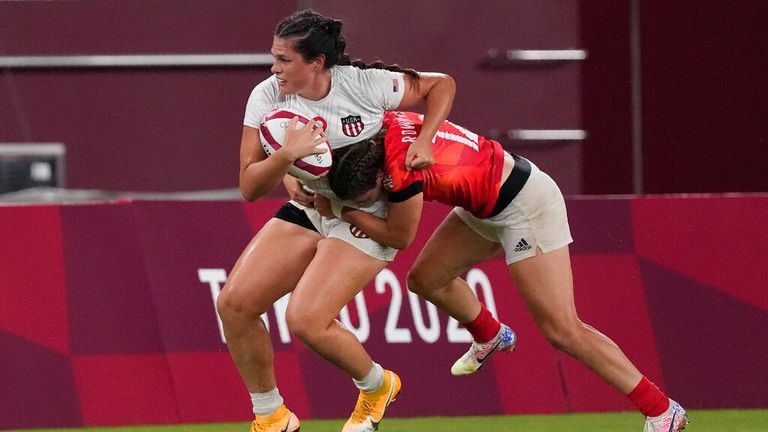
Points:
(478, 353)
(672, 420)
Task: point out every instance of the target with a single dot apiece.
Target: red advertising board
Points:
(104, 296)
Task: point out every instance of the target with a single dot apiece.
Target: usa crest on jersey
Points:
(357, 232)
(352, 125)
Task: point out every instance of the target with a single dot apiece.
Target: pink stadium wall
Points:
(702, 96)
(180, 128)
(107, 315)
(705, 99)
(144, 129)
(492, 97)
(704, 102)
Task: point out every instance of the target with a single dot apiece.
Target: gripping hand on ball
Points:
(304, 141)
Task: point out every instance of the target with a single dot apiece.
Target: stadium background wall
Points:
(702, 96)
(107, 315)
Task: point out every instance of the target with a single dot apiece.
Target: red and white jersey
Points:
(352, 111)
(467, 170)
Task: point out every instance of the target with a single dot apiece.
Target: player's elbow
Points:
(249, 189)
(398, 244)
(250, 193)
(402, 242)
(449, 82)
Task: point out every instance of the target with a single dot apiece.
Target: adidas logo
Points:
(522, 245)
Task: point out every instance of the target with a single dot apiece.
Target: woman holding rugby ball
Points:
(314, 76)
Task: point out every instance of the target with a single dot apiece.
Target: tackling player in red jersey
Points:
(461, 174)
(502, 202)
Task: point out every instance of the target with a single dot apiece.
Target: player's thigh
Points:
(272, 264)
(452, 249)
(335, 275)
(545, 282)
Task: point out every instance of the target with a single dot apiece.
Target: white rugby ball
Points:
(272, 132)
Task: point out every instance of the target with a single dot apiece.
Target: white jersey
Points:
(352, 111)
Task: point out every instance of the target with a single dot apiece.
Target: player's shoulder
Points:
(269, 84)
(343, 75)
(349, 71)
(352, 75)
(405, 117)
(402, 122)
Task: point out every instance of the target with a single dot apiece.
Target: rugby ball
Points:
(272, 132)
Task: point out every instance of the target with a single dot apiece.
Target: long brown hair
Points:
(356, 167)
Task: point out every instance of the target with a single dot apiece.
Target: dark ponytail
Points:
(378, 64)
(356, 167)
(316, 34)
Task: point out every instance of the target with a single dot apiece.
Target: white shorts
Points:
(535, 218)
(337, 228)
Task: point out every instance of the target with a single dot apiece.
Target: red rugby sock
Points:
(484, 327)
(648, 399)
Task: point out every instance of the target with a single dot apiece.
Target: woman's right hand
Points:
(296, 191)
(304, 141)
(419, 155)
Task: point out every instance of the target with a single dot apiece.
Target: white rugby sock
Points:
(265, 404)
(373, 381)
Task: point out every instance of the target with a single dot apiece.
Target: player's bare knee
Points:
(234, 309)
(225, 304)
(561, 337)
(308, 326)
(418, 281)
(300, 324)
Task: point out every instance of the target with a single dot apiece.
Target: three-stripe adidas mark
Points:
(522, 245)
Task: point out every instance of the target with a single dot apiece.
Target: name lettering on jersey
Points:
(352, 125)
(404, 122)
(406, 128)
(468, 138)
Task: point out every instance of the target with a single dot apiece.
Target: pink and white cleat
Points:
(672, 420)
(473, 359)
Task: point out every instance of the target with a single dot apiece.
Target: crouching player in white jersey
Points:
(502, 202)
(313, 75)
